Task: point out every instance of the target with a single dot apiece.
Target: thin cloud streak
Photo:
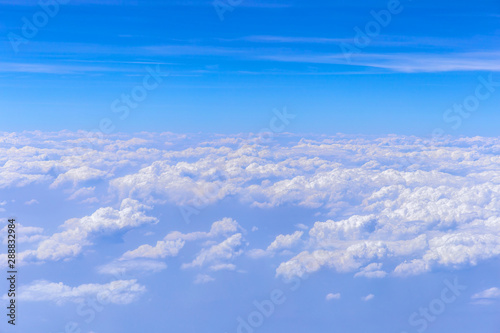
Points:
(407, 63)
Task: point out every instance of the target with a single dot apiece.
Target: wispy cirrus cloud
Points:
(403, 62)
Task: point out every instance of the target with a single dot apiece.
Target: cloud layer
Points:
(384, 206)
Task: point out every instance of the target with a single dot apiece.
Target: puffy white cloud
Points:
(414, 267)
(174, 241)
(17, 179)
(162, 249)
(285, 241)
(302, 264)
(355, 228)
(343, 260)
(116, 292)
(79, 231)
(460, 248)
(24, 234)
(281, 242)
(372, 270)
(223, 227)
(219, 253)
(492, 293)
(367, 297)
(401, 201)
(79, 175)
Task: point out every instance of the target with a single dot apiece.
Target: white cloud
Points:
(456, 249)
(281, 242)
(82, 192)
(79, 231)
(24, 234)
(257, 253)
(116, 292)
(285, 241)
(371, 271)
(492, 293)
(203, 278)
(343, 260)
(414, 267)
(367, 297)
(302, 226)
(331, 296)
(401, 201)
(223, 227)
(355, 228)
(31, 202)
(162, 249)
(222, 267)
(79, 175)
(220, 253)
(174, 241)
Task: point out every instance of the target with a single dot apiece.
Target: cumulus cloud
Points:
(162, 249)
(219, 228)
(354, 228)
(219, 253)
(116, 292)
(78, 175)
(285, 241)
(371, 271)
(367, 297)
(405, 202)
(346, 245)
(174, 241)
(414, 267)
(280, 243)
(79, 231)
(24, 234)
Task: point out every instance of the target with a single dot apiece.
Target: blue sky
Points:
(227, 75)
(175, 168)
